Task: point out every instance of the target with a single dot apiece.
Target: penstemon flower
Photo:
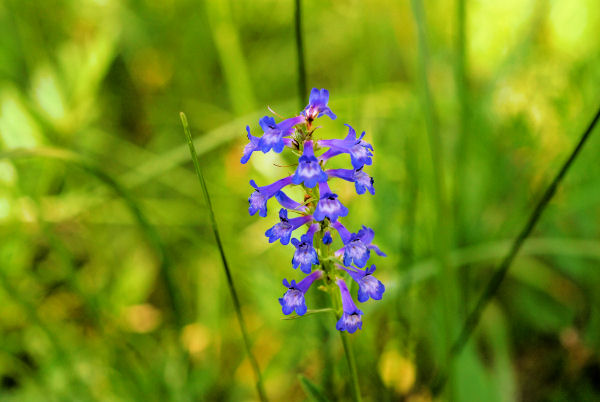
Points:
(320, 210)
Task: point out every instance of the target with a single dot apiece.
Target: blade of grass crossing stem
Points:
(234, 295)
(499, 275)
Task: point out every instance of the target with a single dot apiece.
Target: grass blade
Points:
(441, 229)
(302, 91)
(499, 275)
(234, 295)
(311, 389)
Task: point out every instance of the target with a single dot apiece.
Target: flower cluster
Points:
(320, 210)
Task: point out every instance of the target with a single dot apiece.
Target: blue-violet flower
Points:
(282, 231)
(317, 105)
(293, 299)
(274, 133)
(305, 255)
(368, 285)
(258, 199)
(309, 171)
(329, 206)
(351, 318)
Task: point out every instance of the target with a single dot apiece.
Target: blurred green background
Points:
(111, 286)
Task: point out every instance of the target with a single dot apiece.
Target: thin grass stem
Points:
(302, 91)
(441, 230)
(500, 273)
(236, 301)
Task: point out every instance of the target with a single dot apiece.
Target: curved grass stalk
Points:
(236, 301)
(494, 284)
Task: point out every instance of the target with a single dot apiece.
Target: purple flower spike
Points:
(309, 171)
(282, 231)
(359, 150)
(293, 299)
(327, 239)
(317, 105)
(351, 319)
(362, 181)
(329, 206)
(258, 199)
(250, 147)
(368, 285)
(274, 133)
(305, 255)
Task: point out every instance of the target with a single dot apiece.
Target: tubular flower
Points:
(309, 171)
(282, 231)
(250, 147)
(368, 285)
(305, 255)
(351, 318)
(329, 205)
(317, 105)
(258, 199)
(293, 299)
(362, 181)
(273, 137)
(357, 246)
(359, 150)
(319, 210)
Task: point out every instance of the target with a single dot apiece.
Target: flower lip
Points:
(305, 255)
(359, 150)
(329, 206)
(293, 299)
(317, 105)
(362, 181)
(357, 246)
(309, 171)
(258, 199)
(351, 318)
(282, 231)
(369, 286)
(273, 137)
(249, 148)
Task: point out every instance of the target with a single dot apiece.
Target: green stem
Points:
(441, 230)
(328, 267)
(463, 148)
(236, 301)
(348, 351)
(494, 284)
(300, 54)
